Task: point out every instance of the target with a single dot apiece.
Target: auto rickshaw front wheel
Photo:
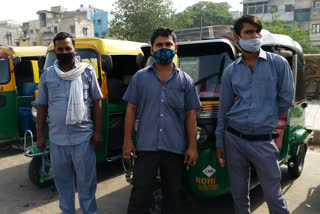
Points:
(296, 163)
(34, 173)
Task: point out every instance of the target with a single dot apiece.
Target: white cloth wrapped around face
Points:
(76, 108)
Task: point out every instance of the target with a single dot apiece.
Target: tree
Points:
(293, 30)
(210, 14)
(136, 19)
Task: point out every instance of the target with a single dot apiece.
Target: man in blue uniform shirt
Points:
(65, 93)
(166, 100)
(256, 89)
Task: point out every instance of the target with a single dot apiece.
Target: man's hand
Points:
(127, 149)
(96, 139)
(41, 143)
(191, 156)
(221, 156)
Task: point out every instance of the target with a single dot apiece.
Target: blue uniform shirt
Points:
(161, 108)
(251, 102)
(54, 92)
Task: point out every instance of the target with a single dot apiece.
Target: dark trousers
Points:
(145, 170)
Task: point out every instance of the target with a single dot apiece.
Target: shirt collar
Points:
(152, 67)
(262, 54)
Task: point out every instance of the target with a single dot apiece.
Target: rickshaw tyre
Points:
(298, 163)
(34, 173)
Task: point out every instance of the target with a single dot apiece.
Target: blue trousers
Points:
(263, 155)
(81, 160)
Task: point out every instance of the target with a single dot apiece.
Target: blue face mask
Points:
(250, 45)
(164, 56)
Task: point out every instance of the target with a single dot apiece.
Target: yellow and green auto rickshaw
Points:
(19, 76)
(115, 63)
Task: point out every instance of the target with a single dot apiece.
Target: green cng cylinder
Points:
(207, 179)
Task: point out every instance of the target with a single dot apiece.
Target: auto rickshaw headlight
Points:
(34, 111)
(202, 135)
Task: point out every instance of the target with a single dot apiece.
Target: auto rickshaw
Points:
(115, 63)
(205, 62)
(19, 76)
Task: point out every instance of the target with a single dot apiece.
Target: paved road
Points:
(18, 195)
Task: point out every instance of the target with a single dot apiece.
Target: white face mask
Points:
(250, 45)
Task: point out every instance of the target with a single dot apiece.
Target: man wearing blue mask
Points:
(165, 100)
(256, 89)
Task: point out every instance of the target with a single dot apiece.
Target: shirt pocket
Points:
(175, 97)
(55, 91)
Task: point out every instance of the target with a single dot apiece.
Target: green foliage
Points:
(136, 19)
(211, 13)
(293, 30)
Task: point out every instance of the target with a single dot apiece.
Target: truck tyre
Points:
(296, 163)
(34, 173)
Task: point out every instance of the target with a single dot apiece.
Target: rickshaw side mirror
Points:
(16, 60)
(140, 60)
(107, 65)
(41, 62)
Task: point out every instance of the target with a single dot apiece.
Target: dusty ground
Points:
(18, 195)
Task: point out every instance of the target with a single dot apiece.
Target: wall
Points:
(312, 76)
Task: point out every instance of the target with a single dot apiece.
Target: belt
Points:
(262, 137)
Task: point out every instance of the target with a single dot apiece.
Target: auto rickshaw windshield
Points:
(83, 55)
(206, 72)
(4, 71)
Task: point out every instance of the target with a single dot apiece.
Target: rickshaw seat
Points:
(29, 88)
(281, 126)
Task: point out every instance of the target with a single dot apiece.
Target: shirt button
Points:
(160, 130)
(162, 100)
(161, 115)
(163, 87)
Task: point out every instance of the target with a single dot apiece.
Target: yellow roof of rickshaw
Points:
(29, 51)
(110, 46)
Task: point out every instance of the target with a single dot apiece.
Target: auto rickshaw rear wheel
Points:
(34, 173)
(296, 163)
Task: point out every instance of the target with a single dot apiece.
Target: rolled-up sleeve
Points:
(131, 94)
(95, 91)
(225, 102)
(42, 96)
(191, 97)
(285, 86)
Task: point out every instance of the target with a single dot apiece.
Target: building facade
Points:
(10, 31)
(306, 13)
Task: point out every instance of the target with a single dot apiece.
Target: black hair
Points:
(63, 36)
(238, 25)
(162, 31)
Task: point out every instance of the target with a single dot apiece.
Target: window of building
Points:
(17, 44)
(56, 29)
(104, 34)
(49, 30)
(255, 8)
(96, 35)
(72, 29)
(273, 8)
(99, 21)
(316, 4)
(85, 31)
(289, 8)
(34, 43)
(31, 31)
(316, 28)
(37, 30)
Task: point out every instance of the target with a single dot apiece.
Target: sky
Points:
(23, 11)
